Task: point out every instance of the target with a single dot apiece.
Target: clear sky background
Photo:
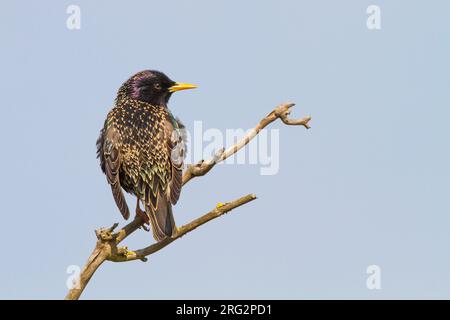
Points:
(367, 185)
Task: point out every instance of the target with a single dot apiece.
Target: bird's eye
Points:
(157, 86)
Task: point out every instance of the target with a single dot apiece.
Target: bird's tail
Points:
(161, 219)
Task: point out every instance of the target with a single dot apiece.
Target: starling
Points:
(141, 149)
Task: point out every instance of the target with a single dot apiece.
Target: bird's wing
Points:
(176, 148)
(109, 153)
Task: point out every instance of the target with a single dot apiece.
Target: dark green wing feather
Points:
(110, 161)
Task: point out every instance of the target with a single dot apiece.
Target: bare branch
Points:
(106, 246)
(220, 210)
(281, 112)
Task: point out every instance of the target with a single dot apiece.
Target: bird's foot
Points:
(143, 216)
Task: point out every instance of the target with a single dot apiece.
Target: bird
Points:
(141, 148)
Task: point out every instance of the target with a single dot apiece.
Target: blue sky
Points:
(367, 185)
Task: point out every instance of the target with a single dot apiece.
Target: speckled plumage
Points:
(141, 150)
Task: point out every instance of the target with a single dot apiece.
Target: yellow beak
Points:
(181, 86)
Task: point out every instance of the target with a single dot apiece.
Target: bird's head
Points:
(151, 86)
